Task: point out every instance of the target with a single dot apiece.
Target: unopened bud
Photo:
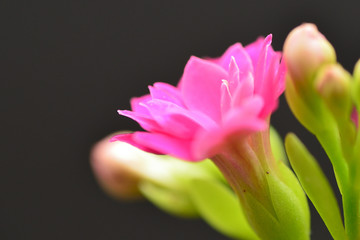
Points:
(356, 90)
(126, 172)
(357, 70)
(333, 82)
(305, 51)
(333, 85)
(116, 166)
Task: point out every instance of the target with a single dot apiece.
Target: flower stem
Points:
(329, 141)
(351, 213)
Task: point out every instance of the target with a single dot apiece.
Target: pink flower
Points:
(217, 101)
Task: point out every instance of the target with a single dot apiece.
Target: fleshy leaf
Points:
(315, 185)
(220, 208)
(175, 203)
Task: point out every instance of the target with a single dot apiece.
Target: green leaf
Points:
(220, 208)
(173, 202)
(315, 185)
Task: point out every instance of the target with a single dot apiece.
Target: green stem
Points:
(329, 141)
(352, 205)
(347, 175)
(351, 213)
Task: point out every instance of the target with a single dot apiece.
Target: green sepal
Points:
(315, 185)
(290, 205)
(220, 208)
(277, 146)
(172, 202)
(292, 216)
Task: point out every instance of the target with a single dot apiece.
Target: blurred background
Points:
(67, 66)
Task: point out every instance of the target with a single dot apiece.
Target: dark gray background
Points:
(67, 66)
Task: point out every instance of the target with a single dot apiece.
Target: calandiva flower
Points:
(221, 110)
(217, 101)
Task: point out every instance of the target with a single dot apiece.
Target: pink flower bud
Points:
(305, 50)
(333, 85)
(357, 69)
(356, 91)
(333, 82)
(114, 165)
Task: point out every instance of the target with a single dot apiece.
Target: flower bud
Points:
(305, 51)
(115, 166)
(356, 90)
(126, 172)
(333, 85)
(357, 70)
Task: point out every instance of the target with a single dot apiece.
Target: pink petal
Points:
(244, 91)
(208, 143)
(280, 78)
(225, 97)
(177, 121)
(129, 138)
(234, 74)
(260, 68)
(166, 92)
(174, 91)
(157, 143)
(164, 144)
(200, 87)
(241, 57)
(144, 121)
(136, 105)
(245, 119)
(239, 53)
(237, 124)
(269, 89)
(254, 50)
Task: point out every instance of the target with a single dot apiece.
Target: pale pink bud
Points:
(357, 69)
(333, 85)
(114, 165)
(333, 82)
(357, 82)
(305, 51)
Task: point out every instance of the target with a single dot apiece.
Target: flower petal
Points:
(244, 91)
(177, 121)
(144, 121)
(208, 143)
(129, 138)
(200, 87)
(136, 104)
(260, 69)
(254, 49)
(237, 124)
(242, 58)
(166, 92)
(165, 144)
(245, 119)
(270, 86)
(225, 97)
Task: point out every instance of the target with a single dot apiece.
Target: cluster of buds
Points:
(325, 99)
